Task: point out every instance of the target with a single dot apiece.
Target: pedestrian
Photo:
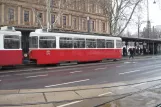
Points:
(131, 50)
(124, 51)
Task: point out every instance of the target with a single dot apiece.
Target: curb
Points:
(56, 96)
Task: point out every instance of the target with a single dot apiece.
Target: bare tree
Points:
(119, 13)
(138, 19)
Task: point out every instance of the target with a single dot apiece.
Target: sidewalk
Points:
(129, 94)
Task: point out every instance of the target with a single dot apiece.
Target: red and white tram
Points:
(52, 48)
(10, 47)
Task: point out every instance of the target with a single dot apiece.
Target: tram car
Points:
(53, 48)
(10, 47)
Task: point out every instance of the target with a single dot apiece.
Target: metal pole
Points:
(153, 48)
(88, 24)
(48, 2)
(138, 30)
(153, 42)
(148, 23)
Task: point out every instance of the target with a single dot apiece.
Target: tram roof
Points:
(40, 32)
(9, 30)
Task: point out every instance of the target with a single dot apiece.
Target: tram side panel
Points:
(53, 56)
(10, 57)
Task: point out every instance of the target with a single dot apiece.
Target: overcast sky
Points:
(155, 12)
(154, 15)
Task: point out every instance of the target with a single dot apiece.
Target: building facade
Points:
(68, 15)
(65, 14)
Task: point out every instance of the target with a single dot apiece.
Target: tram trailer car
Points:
(10, 47)
(53, 48)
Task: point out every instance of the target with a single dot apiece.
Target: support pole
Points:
(153, 48)
(48, 16)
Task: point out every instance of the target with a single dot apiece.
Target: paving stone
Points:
(90, 93)
(40, 105)
(21, 98)
(9, 91)
(62, 96)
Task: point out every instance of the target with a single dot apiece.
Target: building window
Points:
(52, 18)
(11, 14)
(64, 1)
(40, 15)
(26, 16)
(83, 24)
(52, 3)
(64, 20)
(92, 25)
(91, 8)
(75, 5)
(40, 18)
(103, 26)
(75, 23)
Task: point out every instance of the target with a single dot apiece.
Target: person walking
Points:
(131, 50)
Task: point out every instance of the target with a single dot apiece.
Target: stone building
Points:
(68, 15)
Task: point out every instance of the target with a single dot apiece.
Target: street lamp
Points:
(148, 23)
(154, 2)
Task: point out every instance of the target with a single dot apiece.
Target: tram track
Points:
(34, 67)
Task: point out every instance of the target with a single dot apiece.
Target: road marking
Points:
(5, 75)
(105, 94)
(75, 72)
(129, 72)
(152, 71)
(127, 62)
(99, 68)
(33, 69)
(119, 66)
(70, 103)
(120, 88)
(67, 83)
(0, 80)
(138, 85)
(37, 76)
(102, 82)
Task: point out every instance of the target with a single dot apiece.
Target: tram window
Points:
(66, 42)
(90, 43)
(100, 43)
(33, 42)
(11, 42)
(79, 43)
(47, 42)
(109, 43)
(118, 44)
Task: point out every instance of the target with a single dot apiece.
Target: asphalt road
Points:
(76, 75)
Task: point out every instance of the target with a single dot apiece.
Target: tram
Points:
(10, 47)
(53, 48)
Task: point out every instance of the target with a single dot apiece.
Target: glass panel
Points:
(33, 42)
(66, 42)
(26, 16)
(90, 43)
(11, 14)
(100, 43)
(47, 42)
(79, 43)
(109, 43)
(11, 42)
(118, 44)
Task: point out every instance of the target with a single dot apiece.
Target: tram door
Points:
(25, 45)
